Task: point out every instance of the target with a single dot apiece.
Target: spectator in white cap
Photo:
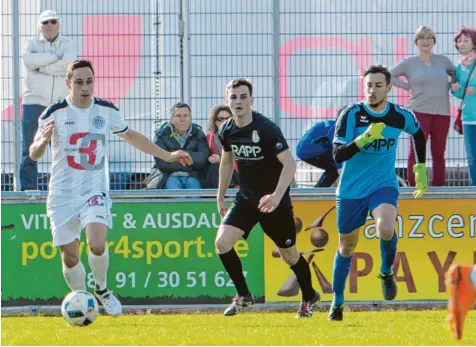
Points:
(46, 57)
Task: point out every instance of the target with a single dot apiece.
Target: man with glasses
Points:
(179, 134)
(46, 57)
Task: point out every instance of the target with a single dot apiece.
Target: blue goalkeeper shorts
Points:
(352, 213)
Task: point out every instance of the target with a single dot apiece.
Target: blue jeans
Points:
(182, 182)
(470, 144)
(29, 126)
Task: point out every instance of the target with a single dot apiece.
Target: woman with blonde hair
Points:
(429, 77)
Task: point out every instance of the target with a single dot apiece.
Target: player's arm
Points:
(287, 173)
(412, 127)
(270, 202)
(421, 176)
(345, 146)
(42, 138)
(345, 151)
(225, 174)
(46, 125)
(419, 144)
(143, 144)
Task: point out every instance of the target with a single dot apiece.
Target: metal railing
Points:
(304, 58)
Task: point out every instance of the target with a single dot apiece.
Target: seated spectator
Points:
(315, 148)
(179, 134)
(218, 115)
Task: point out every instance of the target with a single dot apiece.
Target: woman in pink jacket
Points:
(217, 116)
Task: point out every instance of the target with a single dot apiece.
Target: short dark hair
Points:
(374, 69)
(238, 82)
(179, 105)
(212, 116)
(77, 64)
(469, 32)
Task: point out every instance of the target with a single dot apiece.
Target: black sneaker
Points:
(306, 307)
(336, 313)
(389, 286)
(238, 304)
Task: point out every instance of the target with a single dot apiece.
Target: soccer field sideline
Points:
(277, 307)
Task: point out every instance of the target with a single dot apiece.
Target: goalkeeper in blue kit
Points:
(366, 137)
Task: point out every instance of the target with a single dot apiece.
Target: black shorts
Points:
(278, 225)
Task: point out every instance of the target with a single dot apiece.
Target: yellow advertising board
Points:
(433, 234)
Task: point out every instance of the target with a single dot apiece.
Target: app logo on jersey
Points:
(381, 145)
(99, 122)
(255, 136)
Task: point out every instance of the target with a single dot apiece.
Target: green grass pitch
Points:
(358, 328)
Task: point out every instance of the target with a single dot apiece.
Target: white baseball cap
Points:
(47, 15)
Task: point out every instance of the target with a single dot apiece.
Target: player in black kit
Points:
(266, 169)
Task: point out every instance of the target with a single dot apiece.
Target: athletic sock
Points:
(339, 277)
(99, 265)
(75, 277)
(303, 275)
(388, 250)
(233, 266)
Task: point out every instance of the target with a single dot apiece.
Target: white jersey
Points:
(79, 166)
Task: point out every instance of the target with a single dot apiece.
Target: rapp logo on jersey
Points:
(246, 152)
(382, 145)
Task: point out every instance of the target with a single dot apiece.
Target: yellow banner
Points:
(433, 234)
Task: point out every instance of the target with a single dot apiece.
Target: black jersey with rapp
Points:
(255, 147)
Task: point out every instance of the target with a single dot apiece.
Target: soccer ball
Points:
(79, 308)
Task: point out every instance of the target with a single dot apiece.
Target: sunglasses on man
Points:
(52, 21)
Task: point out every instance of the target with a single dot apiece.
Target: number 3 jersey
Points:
(78, 143)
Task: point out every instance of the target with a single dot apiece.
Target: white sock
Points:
(99, 265)
(75, 277)
(473, 277)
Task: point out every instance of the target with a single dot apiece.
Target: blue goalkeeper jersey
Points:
(373, 167)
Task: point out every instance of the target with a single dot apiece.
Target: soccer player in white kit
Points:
(79, 186)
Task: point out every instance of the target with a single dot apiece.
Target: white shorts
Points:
(69, 216)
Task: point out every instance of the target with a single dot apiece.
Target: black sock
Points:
(232, 264)
(303, 275)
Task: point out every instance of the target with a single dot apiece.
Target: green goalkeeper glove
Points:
(373, 132)
(421, 180)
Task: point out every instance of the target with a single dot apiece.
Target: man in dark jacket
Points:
(315, 148)
(180, 133)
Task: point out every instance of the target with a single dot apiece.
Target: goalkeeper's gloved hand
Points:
(373, 132)
(421, 179)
